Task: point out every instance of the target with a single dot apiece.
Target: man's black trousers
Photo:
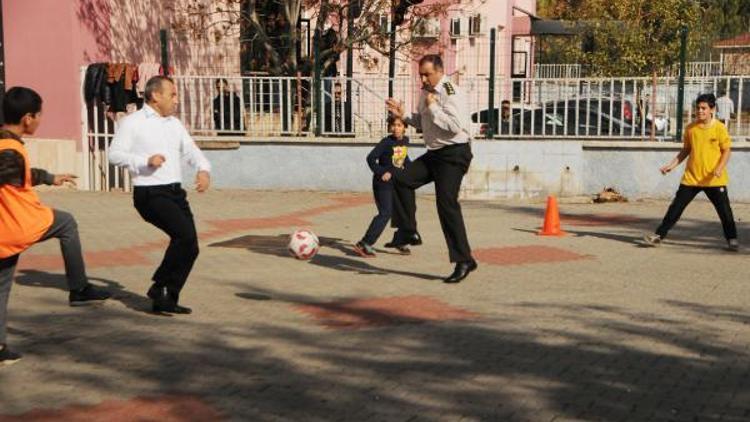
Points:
(446, 168)
(166, 207)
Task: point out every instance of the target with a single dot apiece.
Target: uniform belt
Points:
(172, 187)
(451, 146)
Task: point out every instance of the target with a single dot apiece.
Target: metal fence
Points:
(543, 70)
(624, 108)
(632, 108)
(574, 70)
(262, 108)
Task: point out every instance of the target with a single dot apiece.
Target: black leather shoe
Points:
(399, 240)
(462, 270)
(164, 301)
(171, 308)
(155, 292)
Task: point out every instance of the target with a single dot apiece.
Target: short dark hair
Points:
(222, 81)
(154, 85)
(393, 118)
(709, 99)
(18, 102)
(505, 102)
(435, 59)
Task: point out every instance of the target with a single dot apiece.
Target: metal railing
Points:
(261, 108)
(544, 70)
(98, 130)
(626, 108)
(247, 107)
(698, 69)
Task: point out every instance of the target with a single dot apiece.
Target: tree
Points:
(721, 19)
(638, 37)
(631, 37)
(269, 29)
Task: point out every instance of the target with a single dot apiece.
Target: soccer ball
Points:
(303, 244)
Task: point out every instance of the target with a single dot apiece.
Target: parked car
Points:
(582, 117)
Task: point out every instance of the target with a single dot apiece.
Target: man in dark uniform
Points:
(443, 116)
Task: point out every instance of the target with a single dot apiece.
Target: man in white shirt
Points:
(151, 143)
(724, 108)
(443, 116)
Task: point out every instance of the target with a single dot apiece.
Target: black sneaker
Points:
(88, 295)
(652, 240)
(399, 239)
(7, 357)
(364, 250)
(403, 250)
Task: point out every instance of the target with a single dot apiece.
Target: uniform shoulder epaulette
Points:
(449, 88)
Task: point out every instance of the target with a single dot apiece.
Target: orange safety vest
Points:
(23, 218)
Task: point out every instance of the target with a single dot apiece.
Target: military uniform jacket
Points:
(446, 121)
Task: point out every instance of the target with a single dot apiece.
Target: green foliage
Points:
(639, 37)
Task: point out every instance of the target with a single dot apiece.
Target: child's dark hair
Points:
(18, 102)
(392, 119)
(709, 99)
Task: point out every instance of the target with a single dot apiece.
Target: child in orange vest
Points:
(24, 221)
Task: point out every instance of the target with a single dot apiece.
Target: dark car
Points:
(583, 117)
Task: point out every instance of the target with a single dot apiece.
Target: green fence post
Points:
(317, 85)
(491, 123)
(681, 81)
(164, 50)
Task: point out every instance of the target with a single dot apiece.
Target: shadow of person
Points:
(277, 246)
(253, 296)
(35, 278)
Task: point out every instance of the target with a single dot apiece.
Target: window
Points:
(384, 27)
(476, 25)
(427, 28)
(456, 28)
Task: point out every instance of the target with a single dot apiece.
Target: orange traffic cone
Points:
(551, 225)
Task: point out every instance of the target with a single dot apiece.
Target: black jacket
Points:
(380, 159)
(229, 113)
(12, 168)
(95, 84)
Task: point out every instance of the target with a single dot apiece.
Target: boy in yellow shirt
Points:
(707, 144)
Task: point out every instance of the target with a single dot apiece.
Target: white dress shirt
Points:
(446, 121)
(724, 108)
(146, 133)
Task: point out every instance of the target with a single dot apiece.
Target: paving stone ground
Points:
(590, 326)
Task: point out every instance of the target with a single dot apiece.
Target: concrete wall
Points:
(635, 171)
(501, 169)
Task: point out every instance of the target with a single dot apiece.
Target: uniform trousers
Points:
(446, 168)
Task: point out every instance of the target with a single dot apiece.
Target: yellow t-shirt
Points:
(705, 144)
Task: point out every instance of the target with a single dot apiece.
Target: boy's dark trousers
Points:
(718, 196)
(166, 207)
(383, 193)
(65, 228)
(446, 167)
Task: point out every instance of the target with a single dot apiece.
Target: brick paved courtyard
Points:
(590, 326)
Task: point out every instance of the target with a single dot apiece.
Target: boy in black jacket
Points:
(387, 156)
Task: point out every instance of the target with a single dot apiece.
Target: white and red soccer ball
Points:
(303, 244)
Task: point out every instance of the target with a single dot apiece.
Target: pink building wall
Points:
(466, 56)
(45, 46)
(47, 42)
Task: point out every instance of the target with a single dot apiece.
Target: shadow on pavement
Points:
(277, 246)
(590, 365)
(34, 278)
